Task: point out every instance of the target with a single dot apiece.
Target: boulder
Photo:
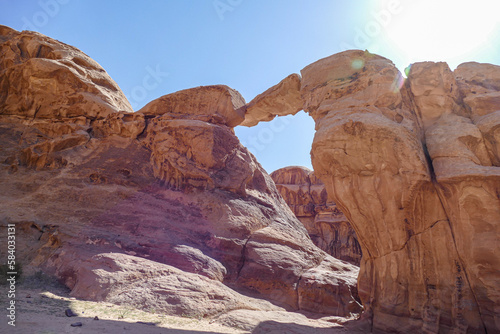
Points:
(43, 78)
(137, 282)
(349, 80)
(64, 94)
(216, 104)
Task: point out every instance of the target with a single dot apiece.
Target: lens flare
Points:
(398, 83)
(407, 70)
(357, 64)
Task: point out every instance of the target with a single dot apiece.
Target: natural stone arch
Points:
(164, 204)
(414, 167)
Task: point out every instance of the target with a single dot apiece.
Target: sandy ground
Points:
(44, 313)
(41, 305)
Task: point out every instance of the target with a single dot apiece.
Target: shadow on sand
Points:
(40, 305)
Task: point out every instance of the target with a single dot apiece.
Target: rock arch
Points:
(414, 165)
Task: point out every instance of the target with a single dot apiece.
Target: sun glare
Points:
(445, 30)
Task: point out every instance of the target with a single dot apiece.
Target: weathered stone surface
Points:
(349, 80)
(280, 100)
(129, 280)
(327, 226)
(329, 288)
(197, 154)
(129, 125)
(434, 91)
(479, 84)
(416, 180)
(44, 78)
(101, 196)
(65, 97)
(248, 239)
(216, 104)
(468, 185)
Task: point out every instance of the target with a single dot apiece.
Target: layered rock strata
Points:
(327, 226)
(162, 207)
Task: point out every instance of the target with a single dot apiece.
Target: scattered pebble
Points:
(28, 296)
(77, 324)
(69, 313)
(96, 318)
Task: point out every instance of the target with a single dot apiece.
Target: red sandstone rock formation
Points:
(214, 104)
(162, 207)
(327, 226)
(414, 166)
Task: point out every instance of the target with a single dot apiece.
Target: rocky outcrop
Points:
(413, 164)
(327, 226)
(64, 96)
(132, 280)
(410, 169)
(479, 84)
(217, 104)
(163, 206)
(43, 78)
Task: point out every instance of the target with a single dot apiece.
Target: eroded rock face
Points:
(64, 95)
(414, 174)
(479, 85)
(217, 104)
(166, 202)
(413, 164)
(327, 226)
(44, 78)
(135, 281)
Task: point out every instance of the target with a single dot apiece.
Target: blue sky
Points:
(251, 45)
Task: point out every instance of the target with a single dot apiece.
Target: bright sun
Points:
(443, 30)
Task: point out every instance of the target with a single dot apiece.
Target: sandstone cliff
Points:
(327, 226)
(162, 207)
(414, 165)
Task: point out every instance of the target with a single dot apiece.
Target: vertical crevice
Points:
(297, 290)
(37, 109)
(242, 261)
(141, 136)
(437, 186)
